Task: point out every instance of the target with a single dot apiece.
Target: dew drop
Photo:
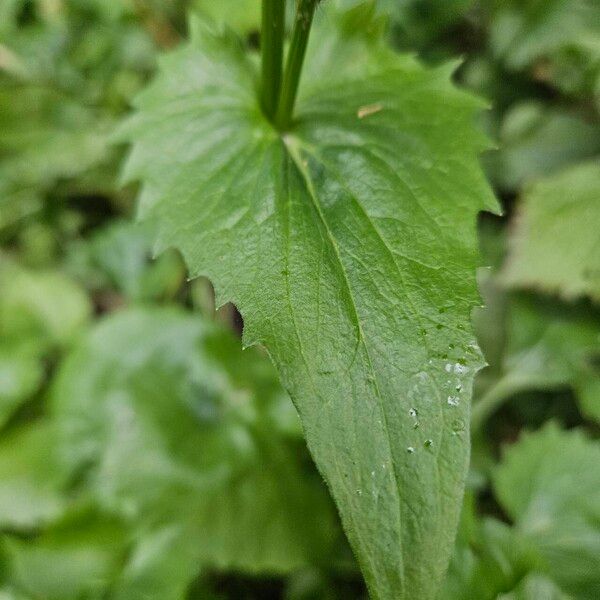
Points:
(453, 400)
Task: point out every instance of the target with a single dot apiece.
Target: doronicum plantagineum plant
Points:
(334, 201)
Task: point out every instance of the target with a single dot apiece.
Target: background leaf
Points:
(179, 435)
(548, 483)
(564, 210)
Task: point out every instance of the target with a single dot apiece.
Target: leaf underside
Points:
(349, 246)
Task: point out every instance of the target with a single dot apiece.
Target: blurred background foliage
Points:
(143, 455)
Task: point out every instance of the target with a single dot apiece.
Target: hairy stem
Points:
(295, 59)
(273, 25)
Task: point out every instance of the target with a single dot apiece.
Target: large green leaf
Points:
(549, 483)
(348, 244)
(559, 218)
(172, 427)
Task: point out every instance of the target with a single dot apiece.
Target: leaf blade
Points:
(282, 232)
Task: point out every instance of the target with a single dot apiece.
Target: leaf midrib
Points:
(293, 153)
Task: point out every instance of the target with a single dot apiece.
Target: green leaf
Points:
(587, 387)
(348, 244)
(241, 15)
(76, 558)
(559, 37)
(536, 141)
(489, 558)
(173, 424)
(10, 594)
(40, 311)
(119, 256)
(31, 480)
(536, 587)
(549, 345)
(559, 217)
(549, 484)
(161, 566)
(44, 137)
(45, 304)
(21, 374)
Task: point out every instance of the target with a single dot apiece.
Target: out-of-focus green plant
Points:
(144, 455)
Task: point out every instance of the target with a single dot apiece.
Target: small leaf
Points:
(120, 257)
(40, 311)
(161, 566)
(44, 304)
(171, 425)
(348, 244)
(536, 587)
(560, 218)
(31, 479)
(557, 40)
(535, 141)
(549, 345)
(489, 558)
(76, 558)
(549, 484)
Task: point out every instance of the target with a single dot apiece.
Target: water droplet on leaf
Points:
(453, 400)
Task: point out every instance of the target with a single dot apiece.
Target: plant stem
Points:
(293, 68)
(273, 25)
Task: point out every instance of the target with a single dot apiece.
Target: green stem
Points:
(273, 26)
(295, 59)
